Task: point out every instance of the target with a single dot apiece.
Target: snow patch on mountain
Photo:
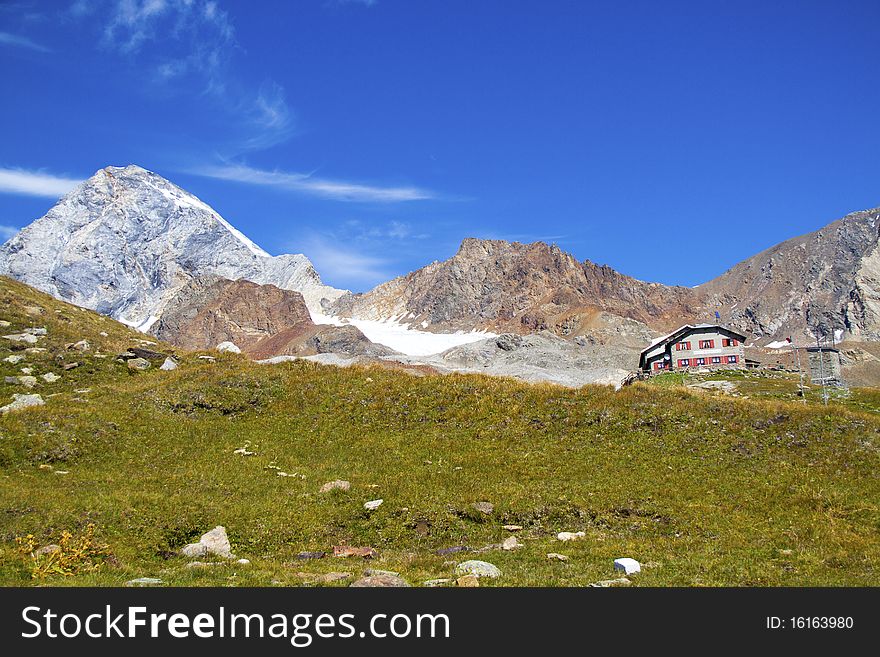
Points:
(402, 337)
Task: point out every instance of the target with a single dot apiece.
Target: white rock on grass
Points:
(336, 484)
(138, 364)
(168, 365)
(27, 338)
(477, 569)
(611, 583)
(228, 347)
(627, 565)
(372, 505)
(50, 377)
(213, 542)
(27, 381)
(144, 581)
(21, 402)
(570, 536)
(14, 359)
(510, 543)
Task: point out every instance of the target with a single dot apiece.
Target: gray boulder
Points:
(478, 569)
(21, 402)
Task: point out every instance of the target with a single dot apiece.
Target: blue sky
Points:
(667, 139)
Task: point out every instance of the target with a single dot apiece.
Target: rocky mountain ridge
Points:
(132, 245)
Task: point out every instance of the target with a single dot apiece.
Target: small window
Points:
(683, 362)
(716, 360)
(731, 359)
(729, 342)
(701, 361)
(683, 346)
(707, 344)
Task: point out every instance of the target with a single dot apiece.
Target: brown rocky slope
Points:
(520, 288)
(261, 320)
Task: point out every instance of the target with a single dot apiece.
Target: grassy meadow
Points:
(703, 488)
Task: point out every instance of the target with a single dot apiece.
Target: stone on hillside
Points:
(311, 555)
(431, 583)
(228, 347)
(510, 543)
(13, 380)
(372, 505)
(27, 381)
(144, 581)
(103, 334)
(373, 572)
(82, 345)
(35, 350)
(609, 583)
(33, 310)
(210, 359)
(570, 536)
(468, 581)
(217, 542)
(138, 364)
(168, 365)
(4, 324)
(323, 578)
(375, 581)
(213, 542)
(50, 377)
(47, 549)
(27, 370)
(149, 354)
(486, 508)
(193, 550)
(26, 338)
(477, 568)
(349, 551)
(22, 401)
(336, 484)
(512, 528)
(70, 366)
(14, 359)
(37, 331)
(243, 562)
(627, 565)
(556, 556)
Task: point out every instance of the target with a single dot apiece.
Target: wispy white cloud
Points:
(34, 183)
(309, 184)
(344, 266)
(188, 46)
(6, 232)
(21, 42)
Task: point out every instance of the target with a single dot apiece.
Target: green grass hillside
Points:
(702, 488)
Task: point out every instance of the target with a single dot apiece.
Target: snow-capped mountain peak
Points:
(126, 240)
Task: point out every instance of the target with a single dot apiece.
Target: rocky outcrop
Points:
(324, 339)
(261, 320)
(521, 288)
(820, 284)
(210, 311)
(126, 241)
